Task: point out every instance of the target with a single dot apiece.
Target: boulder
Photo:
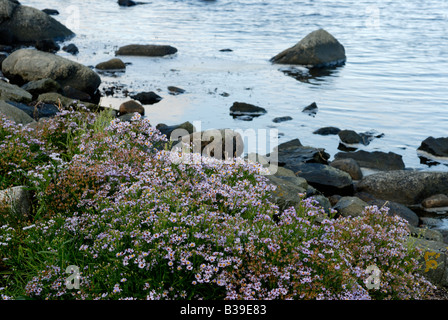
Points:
(37, 87)
(14, 93)
(437, 200)
(350, 166)
(317, 49)
(291, 153)
(14, 114)
(147, 97)
(16, 201)
(324, 178)
(150, 50)
(38, 111)
(47, 45)
(112, 64)
(58, 99)
(311, 109)
(26, 65)
(350, 137)
(435, 146)
(350, 206)
(374, 160)
(131, 106)
(71, 48)
(73, 93)
(403, 186)
(26, 25)
(239, 109)
(325, 131)
(184, 128)
(286, 194)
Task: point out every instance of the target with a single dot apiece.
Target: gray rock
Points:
(325, 131)
(60, 100)
(147, 97)
(14, 114)
(374, 160)
(28, 25)
(281, 119)
(145, 50)
(17, 201)
(38, 111)
(350, 137)
(350, 166)
(324, 178)
(350, 206)
(287, 192)
(26, 65)
(242, 109)
(37, 87)
(112, 64)
(435, 146)
(14, 93)
(403, 186)
(317, 49)
(131, 106)
(175, 90)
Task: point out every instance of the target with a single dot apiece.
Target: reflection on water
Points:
(309, 75)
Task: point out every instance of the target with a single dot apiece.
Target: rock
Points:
(47, 45)
(127, 3)
(311, 109)
(131, 106)
(51, 12)
(112, 64)
(433, 260)
(350, 137)
(405, 187)
(425, 233)
(175, 90)
(147, 97)
(323, 202)
(37, 87)
(145, 50)
(437, 200)
(217, 143)
(239, 109)
(14, 114)
(435, 146)
(318, 49)
(350, 166)
(26, 25)
(293, 152)
(350, 206)
(184, 128)
(325, 131)
(71, 48)
(324, 178)
(14, 93)
(397, 209)
(58, 99)
(26, 65)
(374, 160)
(38, 111)
(17, 201)
(281, 119)
(73, 93)
(287, 192)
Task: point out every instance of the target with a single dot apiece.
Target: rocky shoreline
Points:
(36, 82)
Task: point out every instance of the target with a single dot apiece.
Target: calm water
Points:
(394, 82)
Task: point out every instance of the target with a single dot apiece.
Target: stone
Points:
(281, 119)
(14, 114)
(71, 48)
(184, 128)
(318, 49)
(60, 100)
(293, 152)
(73, 93)
(16, 201)
(26, 25)
(435, 146)
(286, 194)
(350, 206)
(36, 87)
(350, 166)
(38, 111)
(51, 12)
(311, 109)
(175, 90)
(350, 137)
(112, 64)
(325, 131)
(147, 97)
(146, 50)
(324, 178)
(374, 160)
(26, 65)
(14, 93)
(404, 186)
(239, 109)
(437, 200)
(47, 45)
(131, 106)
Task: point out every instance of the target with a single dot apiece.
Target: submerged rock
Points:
(435, 146)
(239, 109)
(325, 131)
(318, 49)
(150, 50)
